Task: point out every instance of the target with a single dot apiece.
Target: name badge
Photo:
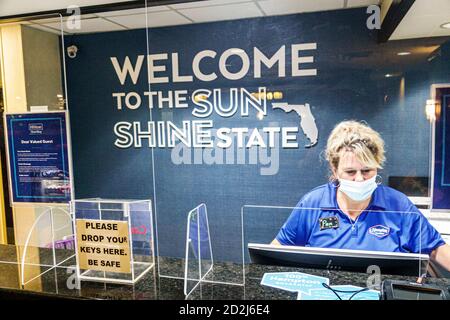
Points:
(329, 223)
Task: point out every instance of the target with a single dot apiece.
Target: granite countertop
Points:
(60, 282)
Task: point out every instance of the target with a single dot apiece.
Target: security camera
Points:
(72, 51)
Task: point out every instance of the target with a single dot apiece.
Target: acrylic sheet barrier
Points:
(137, 217)
(179, 177)
(37, 128)
(46, 243)
(378, 242)
(198, 261)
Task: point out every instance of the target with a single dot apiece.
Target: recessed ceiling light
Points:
(392, 75)
(445, 25)
(405, 53)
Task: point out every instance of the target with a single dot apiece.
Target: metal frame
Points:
(69, 160)
(394, 16)
(126, 5)
(433, 89)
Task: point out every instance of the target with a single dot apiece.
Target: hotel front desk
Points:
(59, 282)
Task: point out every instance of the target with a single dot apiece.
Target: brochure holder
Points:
(117, 259)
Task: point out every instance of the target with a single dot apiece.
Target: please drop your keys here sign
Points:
(103, 245)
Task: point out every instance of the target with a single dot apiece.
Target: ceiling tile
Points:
(226, 12)
(414, 27)
(16, 23)
(133, 11)
(423, 20)
(160, 19)
(90, 25)
(13, 7)
(440, 32)
(157, 8)
(44, 28)
(197, 4)
(440, 20)
(361, 3)
(275, 7)
(58, 19)
(430, 7)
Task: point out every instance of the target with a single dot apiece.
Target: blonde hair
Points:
(359, 138)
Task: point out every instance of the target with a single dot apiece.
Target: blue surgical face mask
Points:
(358, 191)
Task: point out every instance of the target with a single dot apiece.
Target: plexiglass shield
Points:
(235, 120)
(114, 239)
(373, 246)
(43, 234)
(199, 257)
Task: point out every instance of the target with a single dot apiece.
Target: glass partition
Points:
(40, 235)
(373, 246)
(123, 253)
(234, 118)
(104, 63)
(49, 243)
(64, 242)
(234, 110)
(43, 44)
(36, 125)
(199, 256)
(35, 81)
(238, 111)
(190, 109)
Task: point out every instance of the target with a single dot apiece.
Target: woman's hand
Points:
(275, 242)
(442, 256)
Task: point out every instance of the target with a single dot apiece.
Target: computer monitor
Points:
(411, 186)
(390, 263)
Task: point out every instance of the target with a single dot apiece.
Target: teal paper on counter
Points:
(293, 281)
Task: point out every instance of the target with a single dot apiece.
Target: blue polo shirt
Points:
(391, 223)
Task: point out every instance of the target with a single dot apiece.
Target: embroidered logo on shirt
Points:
(379, 231)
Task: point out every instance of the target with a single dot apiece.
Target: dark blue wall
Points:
(350, 84)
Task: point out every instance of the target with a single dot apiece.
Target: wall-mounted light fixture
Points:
(430, 110)
(61, 101)
(276, 95)
(200, 97)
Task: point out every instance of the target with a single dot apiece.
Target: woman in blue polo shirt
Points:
(353, 211)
